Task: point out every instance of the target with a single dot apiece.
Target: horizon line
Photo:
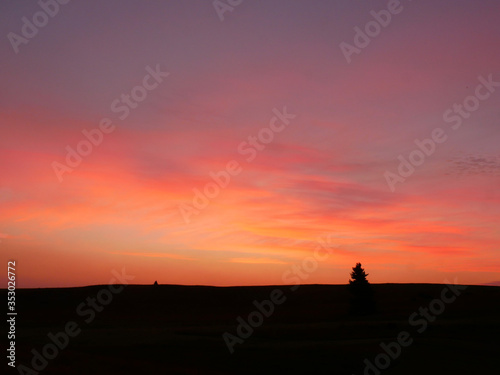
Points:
(493, 284)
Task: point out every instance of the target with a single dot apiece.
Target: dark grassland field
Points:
(170, 329)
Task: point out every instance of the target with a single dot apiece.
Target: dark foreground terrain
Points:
(170, 329)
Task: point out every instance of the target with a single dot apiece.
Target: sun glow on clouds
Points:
(322, 175)
(152, 255)
(256, 261)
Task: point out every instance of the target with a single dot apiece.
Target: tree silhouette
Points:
(358, 276)
(362, 302)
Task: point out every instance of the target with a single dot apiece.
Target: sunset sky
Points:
(322, 174)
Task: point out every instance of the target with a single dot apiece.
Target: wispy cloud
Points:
(10, 236)
(475, 165)
(152, 255)
(256, 261)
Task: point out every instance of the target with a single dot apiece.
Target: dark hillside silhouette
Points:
(174, 329)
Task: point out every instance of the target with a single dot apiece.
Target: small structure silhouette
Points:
(156, 283)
